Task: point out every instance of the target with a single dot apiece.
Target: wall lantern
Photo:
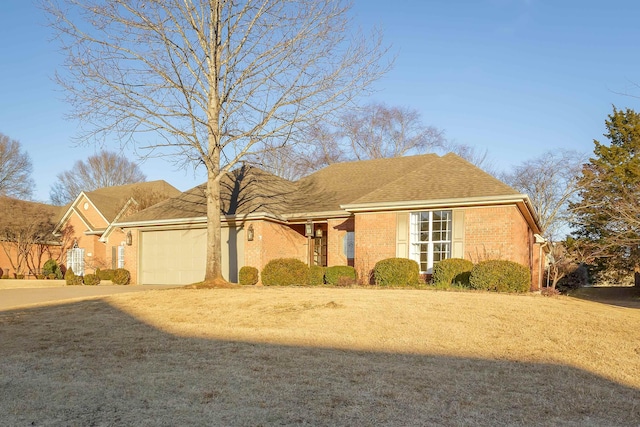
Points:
(129, 240)
(319, 232)
(308, 229)
(250, 233)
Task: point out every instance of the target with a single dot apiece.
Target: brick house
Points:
(87, 223)
(425, 208)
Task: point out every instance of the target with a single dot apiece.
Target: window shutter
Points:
(402, 235)
(457, 239)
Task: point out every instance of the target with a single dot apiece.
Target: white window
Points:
(430, 238)
(120, 256)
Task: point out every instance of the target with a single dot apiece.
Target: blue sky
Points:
(515, 77)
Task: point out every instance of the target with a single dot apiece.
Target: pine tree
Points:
(608, 213)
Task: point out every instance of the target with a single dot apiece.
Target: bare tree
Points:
(473, 155)
(212, 80)
(370, 132)
(25, 233)
(15, 170)
(377, 131)
(105, 169)
(550, 181)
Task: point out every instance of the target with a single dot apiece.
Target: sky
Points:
(516, 78)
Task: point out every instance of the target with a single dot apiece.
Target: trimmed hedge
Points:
(316, 275)
(106, 274)
(51, 267)
(396, 272)
(121, 277)
(248, 276)
(452, 271)
(91, 280)
(500, 276)
(285, 272)
(71, 278)
(342, 275)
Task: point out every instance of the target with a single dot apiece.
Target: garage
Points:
(178, 257)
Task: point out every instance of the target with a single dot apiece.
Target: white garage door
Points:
(173, 257)
(178, 257)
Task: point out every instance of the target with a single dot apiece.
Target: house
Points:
(26, 242)
(425, 207)
(87, 223)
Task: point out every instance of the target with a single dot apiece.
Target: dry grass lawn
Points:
(308, 356)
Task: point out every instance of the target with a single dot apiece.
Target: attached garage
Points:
(178, 257)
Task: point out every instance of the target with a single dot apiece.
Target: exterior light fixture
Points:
(319, 232)
(250, 233)
(129, 240)
(308, 228)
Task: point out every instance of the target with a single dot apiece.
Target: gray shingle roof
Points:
(403, 179)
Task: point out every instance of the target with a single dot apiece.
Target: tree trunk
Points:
(213, 271)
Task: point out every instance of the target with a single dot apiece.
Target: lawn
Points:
(319, 356)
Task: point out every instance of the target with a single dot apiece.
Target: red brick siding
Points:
(375, 240)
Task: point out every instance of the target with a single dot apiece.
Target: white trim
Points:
(433, 204)
(111, 226)
(199, 220)
(72, 208)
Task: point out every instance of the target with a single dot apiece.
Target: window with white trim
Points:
(430, 238)
(120, 256)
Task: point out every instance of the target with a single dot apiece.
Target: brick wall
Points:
(498, 232)
(375, 240)
(272, 240)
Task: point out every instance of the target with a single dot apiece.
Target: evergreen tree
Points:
(608, 213)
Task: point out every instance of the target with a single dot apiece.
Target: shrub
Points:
(450, 271)
(1, 272)
(52, 276)
(248, 276)
(121, 277)
(52, 267)
(396, 272)
(40, 276)
(20, 276)
(71, 278)
(333, 275)
(106, 274)
(500, 276)
(285, 272)
(316, 275)
(91, 280)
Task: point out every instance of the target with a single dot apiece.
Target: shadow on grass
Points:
(88, 363)
(622, 296)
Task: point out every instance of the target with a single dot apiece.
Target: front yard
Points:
(320, 356)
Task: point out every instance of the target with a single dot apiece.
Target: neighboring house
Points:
(88, 223)
(425, 208)
(26, 242)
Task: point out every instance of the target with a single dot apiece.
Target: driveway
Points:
(19, 293)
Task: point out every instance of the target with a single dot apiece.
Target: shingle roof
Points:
(243, 191)
(403, 179)
(14, 212)
(110, 200)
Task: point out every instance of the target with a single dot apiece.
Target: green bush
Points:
(285, 272)
(51, 276)
(91, 280)
(333, 275)
(500, 276)
(106, 274)
(121, 277)
(71, 278)
(51, 267)
(452, 271)
(396, 272)
(316, 275)
(248, 276)
(20, 276)
(1, 273)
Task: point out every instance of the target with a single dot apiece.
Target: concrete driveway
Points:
(19, 293)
